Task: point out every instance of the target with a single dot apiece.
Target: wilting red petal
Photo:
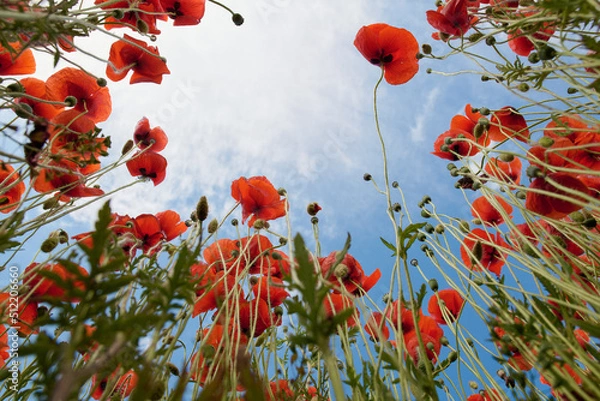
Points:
(148, 164)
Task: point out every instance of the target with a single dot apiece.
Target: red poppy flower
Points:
(16, 61)
(348, 272)
(4, 347)
(92, 99)
(255, 317)
(171, 224)
(452, 301)
(508, 123)
(66, 177)
(214, 289)
(483, 209)
(138, 13)
(55, 281)
(461, 144)
(377, 328)
(548, 204)
(12, 188)
(452, 18)
(122, 387)
(586, 155)
(27, 312)
(137, 56)
(560, 154)
(258, 198)
(467, 123)
(40, 107)
(523, 239)
(279, 391)
(144, 136)
(148, 164)
(555, 241)
(485, 395)
(401, 317)
(74, 136)
(333, 304)
(271, 289)
(431, 334)
(509, 172)
(522, 43)
(254, 254)
(566, 126)
(482, 250)
(184, 12)
(148, 230)
(393, 49)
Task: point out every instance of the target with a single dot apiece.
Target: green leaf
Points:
(389, 246)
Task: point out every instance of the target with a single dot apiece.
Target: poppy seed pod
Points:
(202, 208)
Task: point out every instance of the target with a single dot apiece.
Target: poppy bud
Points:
(590, 223)
(253, 280)
(142, 26)
(395, 184)
(127, 147)
(23, 110)
(533, 57)
(501, 374)
(521, 194)
(534, 172)
(278, 310)
(440, 229)
(341, 271)
(506, 157)
(259, 224)
(282, 191)
(62, 236)
(433, 284)
(572, 90)
(387, 298)
(464, 226)
(237, 19)
(213, 226)
(428, 228)
(202, 209)
(484, 111)
(426, 48)
(50, 203)
(478, 131)
(490, 41)
(473, 385)
(523, 87)
(49, 244)
(15, 87)
(101, 82)
(477, 252)
(421, 237)
(314, 220)
(475, 37)
(234, 222)
(313, 208)
(118, 13)
(70, 101)
(282, 241)
(367, 177)
(396, 207)
(546, 142)
(425, 213)
(577, 217)
(444, 341)
(452, 356)
(547, 52)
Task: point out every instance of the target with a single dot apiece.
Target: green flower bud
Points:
(547, 52)
(490, 41)
(433, 284)
(534, 172)
(506, 157)
(523, 87)
(49, 244)
(259, 224)
(70, 101)
(484, 111)
(426, 48)
(474, 37)
(429, 228)
(234, 222)
(237, 19)
(367, 177)
(101, 82)
(533, 58)
(23, 110)
(425, 213)
(546, 142)
(127, 147)
(464, 226)
(213, 226)
(572, 90)
(142, 26)
(314, 220)
(15, 87)
(439, 229)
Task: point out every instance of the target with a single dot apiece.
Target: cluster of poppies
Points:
(455, 18)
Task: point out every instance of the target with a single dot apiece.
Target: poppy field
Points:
(208, 305)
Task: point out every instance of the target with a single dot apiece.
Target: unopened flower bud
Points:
(534, 172)
(439, 229)
(313, 208)
(102, 82)
(202, 208)
(444, 341)
(546, 142)
(314, 220)
(533, 58)
(523, 87)
(572, 91)
(259, 224)
(414, 262)
(396, 207)
(142, 26)
(590, 223)
(547, 52)
(490, 41)
(395, 184)
(49, 244)
(426, 48)
(278, 310)
(506, 157)
(23, 110)
(213, 226)
(474, 37)
(421, 237)
(253, 280)
(428, 228)
(282, 191)
(118, 13)
(521, 194)
(387, 298)
(425, 213)
(478, 131)
(367, 177)
(433, 284)
(484, 111)
(234, 222)
(127, 147)
(15, 87)
(62, 236)
(473, 385)
(452, 356)
(237, 19)
(463, 226)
